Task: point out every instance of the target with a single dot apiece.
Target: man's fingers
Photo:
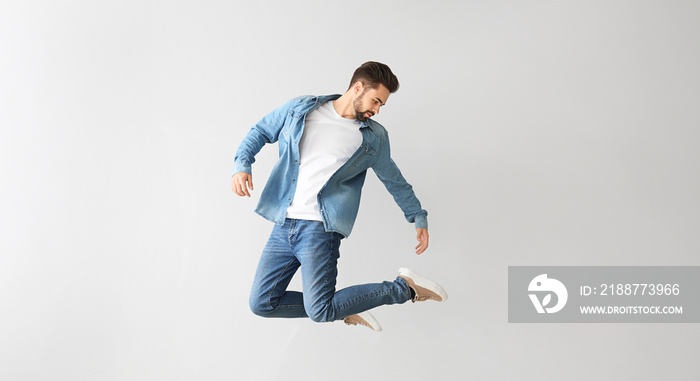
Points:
(239, 188)
(420, 247)
(247, 182)
(422, 238)
(244, 189)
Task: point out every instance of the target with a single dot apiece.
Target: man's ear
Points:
(358, 87)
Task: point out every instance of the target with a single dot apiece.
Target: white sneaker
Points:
(424, 289)
(363, 318)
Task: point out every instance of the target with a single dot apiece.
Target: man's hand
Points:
(423, 239)
(240, 182)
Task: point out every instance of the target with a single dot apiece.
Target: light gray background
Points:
(534, 132)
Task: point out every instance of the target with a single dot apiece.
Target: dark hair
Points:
(373, 73)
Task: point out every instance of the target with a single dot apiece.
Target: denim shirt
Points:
(339, 198)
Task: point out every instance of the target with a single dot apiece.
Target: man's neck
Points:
(343, 106)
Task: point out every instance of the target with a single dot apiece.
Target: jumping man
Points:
(326, 144)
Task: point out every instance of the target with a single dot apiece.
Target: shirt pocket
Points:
(367, 156)
(290, 123)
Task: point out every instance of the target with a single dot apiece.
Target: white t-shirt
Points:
(328, 141)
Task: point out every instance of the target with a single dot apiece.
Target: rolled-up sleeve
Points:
(389, 174)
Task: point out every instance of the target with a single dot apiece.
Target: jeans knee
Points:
(321, 315)
(260, 307)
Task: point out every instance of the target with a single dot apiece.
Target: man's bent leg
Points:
(269, 296)
(318, 253)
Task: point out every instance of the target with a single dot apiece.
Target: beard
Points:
(357, 105)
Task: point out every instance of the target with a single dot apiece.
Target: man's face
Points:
(368, 101)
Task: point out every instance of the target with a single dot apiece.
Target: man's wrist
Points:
(241, 166)
(421, 222)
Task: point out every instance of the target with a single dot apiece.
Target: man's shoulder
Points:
(377, 128)
(310, 100)
(302, 104)
(303, 99)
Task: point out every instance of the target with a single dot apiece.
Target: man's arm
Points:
(266, 131)
(389, 174)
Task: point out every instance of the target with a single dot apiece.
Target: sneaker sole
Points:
(422, 282)
(369, 318)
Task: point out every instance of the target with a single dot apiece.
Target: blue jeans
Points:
(306, 244)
